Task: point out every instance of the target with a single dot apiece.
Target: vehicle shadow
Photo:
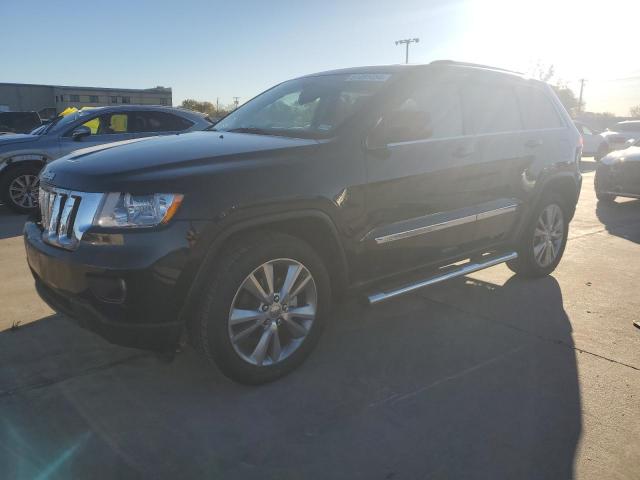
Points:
(11, 224)
(621, 218)
(587, 166)
(413, 389)
(540, 396)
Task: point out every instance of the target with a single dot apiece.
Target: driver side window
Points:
(108, 124)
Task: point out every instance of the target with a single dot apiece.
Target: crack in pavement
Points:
(528, 332)
(395, 398)
(54, 381)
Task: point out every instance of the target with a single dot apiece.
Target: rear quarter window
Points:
(537, 109)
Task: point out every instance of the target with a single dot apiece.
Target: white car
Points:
(593, 143)
(618, 135)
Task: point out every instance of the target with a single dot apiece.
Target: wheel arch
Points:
(312, 226)
(13, 161)
(564, 185)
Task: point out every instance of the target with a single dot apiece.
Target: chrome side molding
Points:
(426, 229)
(457, 272)
(392, 237)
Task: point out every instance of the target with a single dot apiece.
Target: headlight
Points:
(123, 210)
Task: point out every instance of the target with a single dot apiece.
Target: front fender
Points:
(212, 240)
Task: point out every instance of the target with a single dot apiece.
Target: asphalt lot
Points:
(489, 376)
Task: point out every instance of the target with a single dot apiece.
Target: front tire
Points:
(543, 241)
(19, 188)
(263, 308)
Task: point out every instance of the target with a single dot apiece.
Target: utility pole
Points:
(236, 101)
(406, 42)
(217, 105)
(582, 80)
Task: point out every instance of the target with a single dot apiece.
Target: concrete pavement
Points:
(489, 376)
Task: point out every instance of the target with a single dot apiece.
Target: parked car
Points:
(618, 174)
(619, 134)
(19, 122)
(339, 182)
(594, 144)
(23, 156)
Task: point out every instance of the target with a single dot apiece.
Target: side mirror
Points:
(400, 126)
(80, 132)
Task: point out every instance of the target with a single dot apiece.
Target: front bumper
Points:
(130, 292)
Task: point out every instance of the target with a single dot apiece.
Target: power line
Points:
(406, 42)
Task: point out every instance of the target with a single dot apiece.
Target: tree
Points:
(547, 74)
(203, 107)
(207, 107)
(568, 99)
(635, 111)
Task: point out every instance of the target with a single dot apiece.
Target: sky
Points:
(221, 49)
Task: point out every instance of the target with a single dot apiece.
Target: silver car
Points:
(23, 156)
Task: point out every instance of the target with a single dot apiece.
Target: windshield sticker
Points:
(368, 77)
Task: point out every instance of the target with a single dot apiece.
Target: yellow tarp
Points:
(67, 111)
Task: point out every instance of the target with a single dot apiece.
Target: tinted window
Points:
(108, 124)
(627, 127)
(159, 122)
(490, 108)
(432, 111)
(537, 109)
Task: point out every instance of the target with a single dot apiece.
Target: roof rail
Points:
(469, 64)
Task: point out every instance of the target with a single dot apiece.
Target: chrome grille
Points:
(66, 215)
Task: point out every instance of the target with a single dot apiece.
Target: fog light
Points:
(110, 290)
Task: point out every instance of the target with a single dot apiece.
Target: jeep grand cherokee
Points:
(375, 181)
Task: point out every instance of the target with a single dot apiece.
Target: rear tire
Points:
(603, 150)
(19, 188)
(601, 196)
(543, 241)
(231, 306)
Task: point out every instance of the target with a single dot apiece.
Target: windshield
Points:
(60, 122)
(310, 107)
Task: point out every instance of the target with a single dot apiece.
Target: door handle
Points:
(533, 143)
(463, 152)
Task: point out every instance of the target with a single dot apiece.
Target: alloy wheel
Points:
(23, 190)
(272, 312)
(548, 235)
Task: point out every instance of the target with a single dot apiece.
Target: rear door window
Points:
(537, 109)
(144, 122)
(490, 108)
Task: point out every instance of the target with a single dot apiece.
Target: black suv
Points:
(19, 122)
(376, 180)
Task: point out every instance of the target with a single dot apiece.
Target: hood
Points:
(12, 138)
(133, 163)
(631, 154)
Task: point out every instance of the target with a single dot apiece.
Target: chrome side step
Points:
(465, 269)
